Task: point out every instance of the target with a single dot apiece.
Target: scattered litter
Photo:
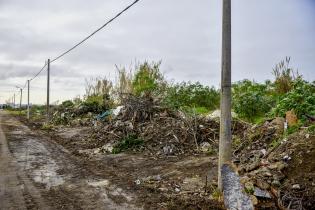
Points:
(138, 182)
(286, 158)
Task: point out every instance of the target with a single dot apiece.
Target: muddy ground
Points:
(41, 170)
(66, 168)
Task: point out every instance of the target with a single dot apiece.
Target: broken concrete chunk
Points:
(261, 193)
(233, 191)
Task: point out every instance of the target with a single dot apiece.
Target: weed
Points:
(129, 142)
(275, 143)
(294, 128)
(217, 194)
(47, 127)
(311, 129)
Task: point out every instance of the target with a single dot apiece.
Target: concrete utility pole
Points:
(14, 101)
(21, 98)
(28, 99)
(225, 153)
(48, 90)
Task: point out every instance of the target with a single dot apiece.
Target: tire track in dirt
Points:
(14, 185)
(48, 175)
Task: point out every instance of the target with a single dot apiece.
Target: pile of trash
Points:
(271, 166)
(164, 132)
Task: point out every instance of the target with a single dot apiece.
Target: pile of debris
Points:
(164, 132)
(271, 163)
(75, 115)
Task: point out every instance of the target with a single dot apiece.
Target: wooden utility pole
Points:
(48, 89)
(28, 99)
(225, 152)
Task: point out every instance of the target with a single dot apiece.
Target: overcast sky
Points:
(184, 34)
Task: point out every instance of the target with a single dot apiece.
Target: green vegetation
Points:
(301, 99)
(131, 141)
(192, 96)
(293, 128)
(148, 79)
(251, 100)
(311, 129)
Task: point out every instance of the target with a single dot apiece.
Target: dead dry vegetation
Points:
(169, 128)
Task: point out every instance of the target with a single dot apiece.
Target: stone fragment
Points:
(296, 187)
(278, 123)
(262, 184)
(254, 200)
(262, 193)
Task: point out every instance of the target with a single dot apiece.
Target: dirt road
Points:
(44, 170)
(37, 173)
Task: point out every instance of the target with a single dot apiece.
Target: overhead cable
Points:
(93, 33)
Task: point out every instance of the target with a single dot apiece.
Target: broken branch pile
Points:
(163, 131)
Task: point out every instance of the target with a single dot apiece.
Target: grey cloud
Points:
(184, 34)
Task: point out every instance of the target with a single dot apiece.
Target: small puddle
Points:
(100, 183)
(32, 155)
(47, 175)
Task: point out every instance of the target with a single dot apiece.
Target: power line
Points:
(82, 41)
(100, 28)
(42, 69)
(24, 85)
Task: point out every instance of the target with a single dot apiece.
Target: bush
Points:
(284, 77)
(148, 79)
(251, 100)
(192, 95)
(301, 99)
(93, 104)
(67, 104)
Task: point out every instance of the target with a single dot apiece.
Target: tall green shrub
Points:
(193, 95)
(251, 100)
(148, 79)
(301, 99)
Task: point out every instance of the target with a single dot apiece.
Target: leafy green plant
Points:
(251, 100)
(301, 99)
(148, 79)
(196, 96)
(98, 93)
(129, 142)
(293, 129)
